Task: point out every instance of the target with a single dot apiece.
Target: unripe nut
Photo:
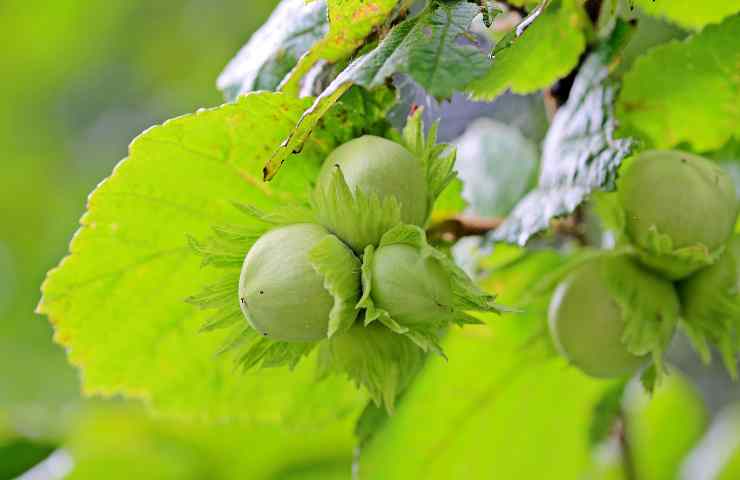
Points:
(415, 290)
(385, 168)
(711, 306)
(280, 292)
(686, 197)
(378, 358)
(587, 322)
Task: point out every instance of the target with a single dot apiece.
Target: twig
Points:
(454, 228)
(551, 103)
(628, 456)
(571, 226)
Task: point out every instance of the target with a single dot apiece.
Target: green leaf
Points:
(359, 107)
(329, 470)
(688, 13)
(659, 442)
(548, 47)
(279, 215)
(428, 48)
(17, 455)
(275, 48)
(125, 442)
(678, 86)
(491, 403)
(117, 302)
(649, 33)
(606, 413)
(350, 23)
(341, 271)
(424, 46)
(497, 165)
(580, 153)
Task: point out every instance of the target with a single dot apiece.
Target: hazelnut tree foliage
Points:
(308, 235)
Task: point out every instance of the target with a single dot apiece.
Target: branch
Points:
(454, 228)
(628, 456)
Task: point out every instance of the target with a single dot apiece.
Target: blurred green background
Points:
(81, 78)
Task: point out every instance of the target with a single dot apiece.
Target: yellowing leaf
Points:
(350, 23)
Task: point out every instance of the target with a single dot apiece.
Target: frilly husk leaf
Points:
(286, 214)
(650, 309)
(437, 159)
(360, 219)
(711, 314)
(226, 249)
(675, 263)
(377, 359)
(340, 268)
(467, 296)
(659, 254)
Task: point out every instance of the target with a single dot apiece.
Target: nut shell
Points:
(280, 292)
(415, 290)
(686, 197)
(587, 322)
(381, 166)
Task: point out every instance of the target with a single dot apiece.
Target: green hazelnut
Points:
(681, 197)
(384, 168)
(414, 289)
(281, 293)
(587, 319)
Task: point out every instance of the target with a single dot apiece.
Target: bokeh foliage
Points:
(89, 75)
